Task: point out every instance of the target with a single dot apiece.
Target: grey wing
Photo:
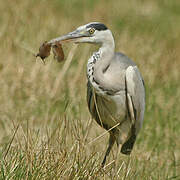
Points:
(91, 98)
(91, 103)
(135, 96)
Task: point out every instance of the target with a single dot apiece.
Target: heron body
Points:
(115, 88)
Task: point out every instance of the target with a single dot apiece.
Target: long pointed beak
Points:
(70, 37)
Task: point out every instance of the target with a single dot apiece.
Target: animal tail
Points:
(128, 145)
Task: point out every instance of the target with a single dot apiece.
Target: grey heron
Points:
(115, 88)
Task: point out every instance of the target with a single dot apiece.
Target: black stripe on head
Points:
(97, 26)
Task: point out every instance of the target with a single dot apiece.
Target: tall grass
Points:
(46, 129)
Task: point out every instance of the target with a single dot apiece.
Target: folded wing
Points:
(135, 98)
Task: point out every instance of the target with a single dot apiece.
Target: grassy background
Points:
(46, 131)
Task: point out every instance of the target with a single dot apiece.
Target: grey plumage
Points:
(115, 88)
(130, 101)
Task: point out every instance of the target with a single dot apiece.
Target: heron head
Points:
(94, 32)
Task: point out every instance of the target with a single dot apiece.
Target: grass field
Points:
(46, 131)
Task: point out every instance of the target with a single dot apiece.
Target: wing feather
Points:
(136, 96)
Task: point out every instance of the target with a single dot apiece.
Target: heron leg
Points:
(111, 143)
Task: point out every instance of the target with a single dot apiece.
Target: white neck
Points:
(106, 55)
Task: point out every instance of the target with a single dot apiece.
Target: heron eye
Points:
(91, 31)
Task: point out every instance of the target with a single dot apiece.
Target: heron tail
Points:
(128, 145)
